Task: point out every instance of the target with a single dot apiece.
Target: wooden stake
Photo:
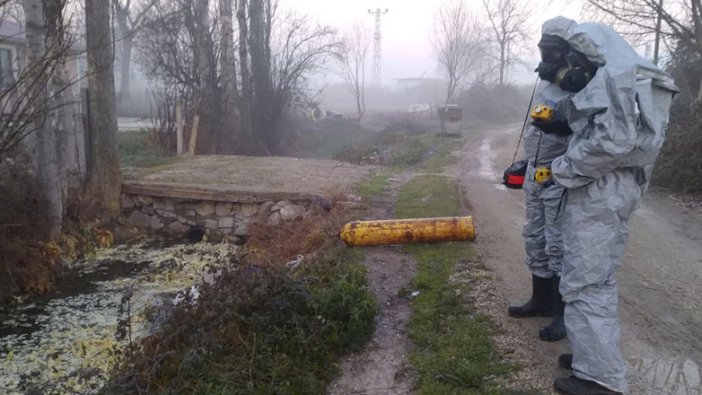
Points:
(193, 134)
(179, 128)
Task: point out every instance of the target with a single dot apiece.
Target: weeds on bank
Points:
(267, 325)
(454, 352)
(401, 150)
(373, 186)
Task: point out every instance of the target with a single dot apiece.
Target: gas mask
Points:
(562, 65)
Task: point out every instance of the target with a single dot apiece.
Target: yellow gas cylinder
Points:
(398, 231)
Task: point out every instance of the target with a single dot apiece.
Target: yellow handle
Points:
(542, 175)
(542, 112)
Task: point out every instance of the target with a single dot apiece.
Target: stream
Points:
(69, 342)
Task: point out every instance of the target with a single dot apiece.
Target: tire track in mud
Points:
(383, 366)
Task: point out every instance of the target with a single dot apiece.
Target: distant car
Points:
(419, 108)
(334, 115)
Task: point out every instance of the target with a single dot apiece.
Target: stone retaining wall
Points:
(176, 217)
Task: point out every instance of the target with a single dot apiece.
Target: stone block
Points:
(210, 224)
(163, 204)
(145, 200)
(273, 220)
(292, 212)
(223, 209)
(264, 211)
(166, 214)
(242, 228)
(178, 229)
(280, 205)
(139, 219)
(127, 202)
(247, 210)
(225, 222)
(205, 209)
(156, 223)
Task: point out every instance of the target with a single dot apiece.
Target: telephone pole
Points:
(377, 46)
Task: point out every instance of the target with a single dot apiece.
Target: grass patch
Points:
(428, 196)
(373, 186)
(454, 351)
(136, 150)
(440, 155)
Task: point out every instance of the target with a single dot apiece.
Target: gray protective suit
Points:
(542, 235)
(619, 121)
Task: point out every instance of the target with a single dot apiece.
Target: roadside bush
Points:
(679, 166)
(27, 267)
(494, 104)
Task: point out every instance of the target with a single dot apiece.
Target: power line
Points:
(377, 46)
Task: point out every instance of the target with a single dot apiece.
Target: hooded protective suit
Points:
(619, 121)
(542, 236)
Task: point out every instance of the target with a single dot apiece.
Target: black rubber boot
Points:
(575, 386)
(556, 330)
(566, 361)
(540, 304)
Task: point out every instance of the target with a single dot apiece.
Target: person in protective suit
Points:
(618, 118)
(541, 233)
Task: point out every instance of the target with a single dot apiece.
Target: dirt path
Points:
(660, 282)
(383, 366)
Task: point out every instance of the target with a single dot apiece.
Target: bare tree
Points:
(259, 41)
(104, 180)
(458, 43)
(276, 56)
(300, 49)
(227, 61)
(129, 18)
(24, 101)
(177, 52)
(246, 88)
(352, 63)
(47, 157)
(509, 20)
(679, 22)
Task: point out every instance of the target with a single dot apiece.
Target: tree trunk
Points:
(48, 175)
(125, 65)
(502, 64)
(62, 111)
(227, 66)
(246, 90)
(260, 65)
(209, 103)
(126, 44)
(104, 181)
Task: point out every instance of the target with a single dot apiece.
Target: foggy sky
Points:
(407, 29)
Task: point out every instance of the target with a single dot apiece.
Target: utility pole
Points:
(656, 46)
(377, 46)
